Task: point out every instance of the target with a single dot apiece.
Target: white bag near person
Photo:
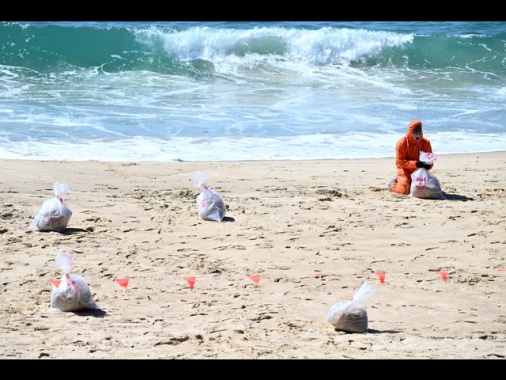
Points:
(73, 292)
(351, 316)
(424, 184)
(210, 205)
(54, 215)
(427, 157)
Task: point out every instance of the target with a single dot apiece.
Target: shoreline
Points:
(244, 161)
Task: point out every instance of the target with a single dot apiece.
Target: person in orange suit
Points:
(407, 157)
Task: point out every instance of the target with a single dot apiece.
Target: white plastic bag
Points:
(210, 205)
(54, 215)
(425, 185)
(427, 157)
(73, 293)
(351, 316)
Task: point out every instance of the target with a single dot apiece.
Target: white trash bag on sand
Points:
(424, 184)
(73, 292)
(351, 316)
(54, 215)
(210, 206)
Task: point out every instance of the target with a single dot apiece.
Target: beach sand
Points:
(298, 237)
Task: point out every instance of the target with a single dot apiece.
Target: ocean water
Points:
(228, 91)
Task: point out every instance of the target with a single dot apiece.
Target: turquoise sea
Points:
(227, 91)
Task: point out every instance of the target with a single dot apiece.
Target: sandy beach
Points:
(298, 237)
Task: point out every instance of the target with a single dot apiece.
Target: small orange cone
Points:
(255, 278)
(191, 281)
(444, 274)
(123, 282)
(381, 276)
(55, 283)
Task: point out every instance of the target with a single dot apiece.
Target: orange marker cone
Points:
(381, 276)
(444, 274)
(191, 281)
(55, 283)
(123, 282)
(255, 278)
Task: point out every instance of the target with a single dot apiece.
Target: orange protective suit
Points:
(407, 153)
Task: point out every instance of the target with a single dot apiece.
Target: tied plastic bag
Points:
(54, 215)
(351, 316)
(210, 205)
(73, 293)
(425, 185)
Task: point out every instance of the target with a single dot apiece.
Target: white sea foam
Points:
(240, 149)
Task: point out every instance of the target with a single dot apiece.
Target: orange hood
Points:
(412, 125)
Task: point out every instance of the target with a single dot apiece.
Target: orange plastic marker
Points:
(191, 281)
(255, 278)
(123, 282)
(381, 276)
(55, 282)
